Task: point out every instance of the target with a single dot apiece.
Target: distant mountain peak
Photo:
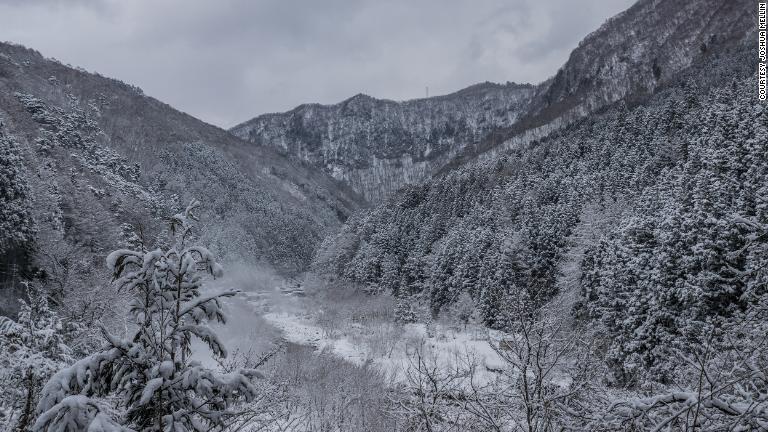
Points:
(379, 145)
(361, 97)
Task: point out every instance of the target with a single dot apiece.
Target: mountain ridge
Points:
(379, 145)
(605, 67)
(98, 154)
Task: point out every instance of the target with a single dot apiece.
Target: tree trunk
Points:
(26, 415)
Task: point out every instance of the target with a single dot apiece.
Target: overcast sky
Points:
(226, 61)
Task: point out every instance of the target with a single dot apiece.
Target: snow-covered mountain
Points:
(377, 146)
(88, 154)
(637, 51)
(604, 233)
(646, 220)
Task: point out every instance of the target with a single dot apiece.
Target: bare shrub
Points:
(325, 393)
(722, 385)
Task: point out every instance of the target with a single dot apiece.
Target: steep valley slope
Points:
(650, 217)
(377, 146)
(94, 161)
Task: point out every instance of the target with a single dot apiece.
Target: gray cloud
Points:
(227, 61)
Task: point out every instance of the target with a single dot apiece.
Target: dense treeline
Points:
(667, 198)
(691, 252)
(17, 226)
(99, 154)
(15, 214)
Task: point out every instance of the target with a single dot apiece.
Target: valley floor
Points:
(362, 336)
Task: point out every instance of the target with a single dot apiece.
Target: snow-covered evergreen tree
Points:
(464, 310)
(688, 260)
(150, 374)
(17, 228)
(32, 348)
(404, 310)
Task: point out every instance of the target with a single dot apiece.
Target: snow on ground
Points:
(444, 346)
(269, 307)
(299, 330)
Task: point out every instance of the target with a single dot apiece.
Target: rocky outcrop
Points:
(377, 146)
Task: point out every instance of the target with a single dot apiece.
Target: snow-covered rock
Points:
(377, 146)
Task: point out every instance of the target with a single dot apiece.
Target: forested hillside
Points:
(378, 146)
(586, 254)
(652, 214)
(84, 155)
(638, 51)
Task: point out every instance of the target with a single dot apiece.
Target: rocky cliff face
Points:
(377, 146)
(637, 51)
(628, 58)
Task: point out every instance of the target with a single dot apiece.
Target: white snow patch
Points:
(446, 347)
(300, 331)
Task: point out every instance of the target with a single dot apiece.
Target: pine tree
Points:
(32, 348)
(463, 310)
(157, 384)
(17, 227)
(502, 279)
(404, 313)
